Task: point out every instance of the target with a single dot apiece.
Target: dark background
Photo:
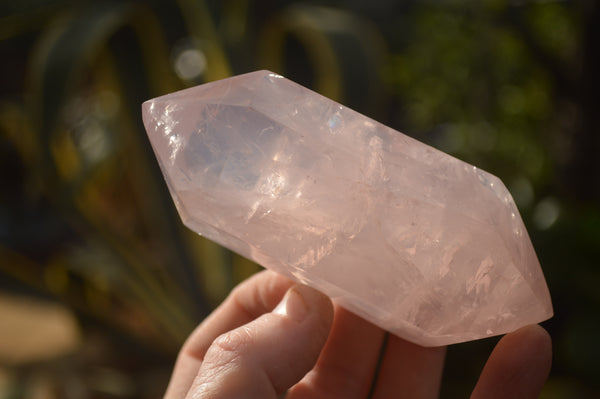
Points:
(99, 281)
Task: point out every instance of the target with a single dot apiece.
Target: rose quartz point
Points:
(415, 241)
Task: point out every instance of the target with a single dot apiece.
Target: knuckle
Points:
(231, 344)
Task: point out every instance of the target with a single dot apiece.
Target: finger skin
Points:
(347, 363)
(518, 366)
(255, 296)
(410, 371)
(265, 357)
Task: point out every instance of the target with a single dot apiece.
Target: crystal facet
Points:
(407, 237)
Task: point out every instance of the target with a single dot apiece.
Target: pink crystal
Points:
(407, 237)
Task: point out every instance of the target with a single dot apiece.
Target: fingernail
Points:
(292, 305)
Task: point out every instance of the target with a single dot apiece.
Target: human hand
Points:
(256, 345)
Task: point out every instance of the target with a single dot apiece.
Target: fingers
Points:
(263, 358)
(252, 298)
(347, 363)
(409, 370)
(518, 366)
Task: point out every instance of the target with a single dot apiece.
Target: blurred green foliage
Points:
(85, 218)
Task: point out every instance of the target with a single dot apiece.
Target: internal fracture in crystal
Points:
(405, 236)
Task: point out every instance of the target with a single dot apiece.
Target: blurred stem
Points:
(200, 25)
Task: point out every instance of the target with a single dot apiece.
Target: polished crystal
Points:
(407, 237)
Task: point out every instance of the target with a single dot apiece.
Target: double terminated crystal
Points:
(407, 237)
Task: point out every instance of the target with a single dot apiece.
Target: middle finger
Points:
(347, 363)
(410, 371)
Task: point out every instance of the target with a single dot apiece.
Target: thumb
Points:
(271, 353)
